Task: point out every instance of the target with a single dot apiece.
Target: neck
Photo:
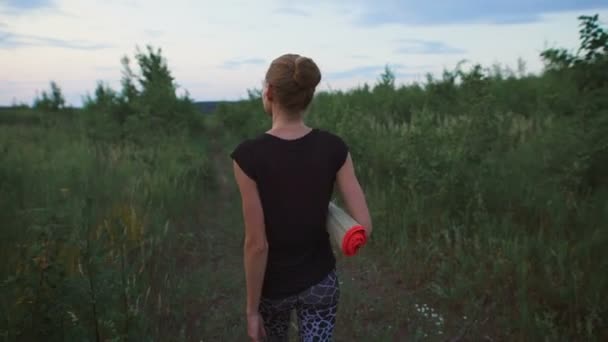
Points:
(283, 120)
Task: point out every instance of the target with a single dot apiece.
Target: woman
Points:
(286, 178)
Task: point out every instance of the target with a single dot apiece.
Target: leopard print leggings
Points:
(316, 309)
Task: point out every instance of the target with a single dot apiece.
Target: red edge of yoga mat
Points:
(354, 239)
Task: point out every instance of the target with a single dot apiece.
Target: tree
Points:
(586, 69)
(155, 80)
(129, 91)
(105, 101)
(53, 101)
(147, 103)
(594, 40)
(593, 48)
(387, 78)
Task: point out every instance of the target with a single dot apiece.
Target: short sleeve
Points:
(243, 155)
(340, 152)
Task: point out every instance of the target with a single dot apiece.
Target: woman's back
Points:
(286, 178)
(295, 180)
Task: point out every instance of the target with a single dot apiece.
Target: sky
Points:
(217, 50)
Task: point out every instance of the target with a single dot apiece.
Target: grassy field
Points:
(108, 242)
(488, 189)
(90, 232)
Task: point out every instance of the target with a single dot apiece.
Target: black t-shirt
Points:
(295, 180)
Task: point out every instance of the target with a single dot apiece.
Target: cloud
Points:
(236, 63)
(368, 71)
(26, 5)
(292, 11)
(107, 68)
(10, 40)
(362, 71)
(151, 33)
(400, 71)
(410, 12)
(416, 46)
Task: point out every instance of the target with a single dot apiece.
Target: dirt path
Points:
(224, 320)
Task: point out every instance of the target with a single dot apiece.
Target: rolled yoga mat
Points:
(347, 233)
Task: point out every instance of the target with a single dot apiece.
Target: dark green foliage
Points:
(587, 72)
(52, 102)
(147, 104)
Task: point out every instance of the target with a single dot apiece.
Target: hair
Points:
(294, 79)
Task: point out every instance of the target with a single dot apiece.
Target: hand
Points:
(255, 327)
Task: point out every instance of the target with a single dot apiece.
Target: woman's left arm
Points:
(256, 245)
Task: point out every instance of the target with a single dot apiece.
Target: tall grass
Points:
(89, 231)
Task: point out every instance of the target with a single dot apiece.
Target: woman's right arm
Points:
(353, 195)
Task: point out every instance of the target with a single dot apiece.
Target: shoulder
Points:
(336, 146)
(247, 146)
(330, 136)
(246, 154)
(332, 139)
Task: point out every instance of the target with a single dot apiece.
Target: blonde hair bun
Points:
(306, 74)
